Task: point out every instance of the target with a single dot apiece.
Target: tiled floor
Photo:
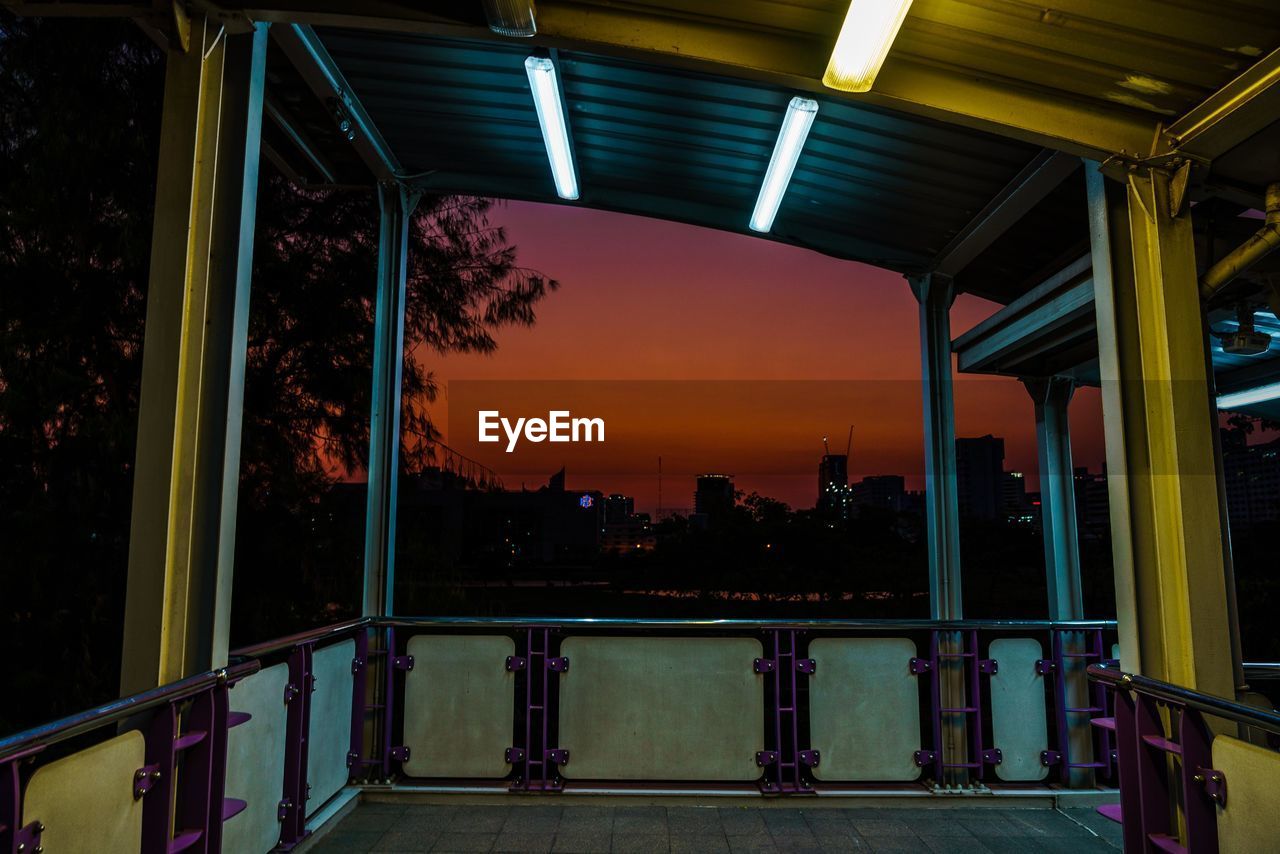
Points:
(706, 830)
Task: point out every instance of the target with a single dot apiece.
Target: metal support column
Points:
(1162, 473)
(935, 294)
(397, 205)
(1051, 397)
(1057, 496)
(181, 544)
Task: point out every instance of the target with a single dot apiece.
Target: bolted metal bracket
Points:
(806, 665)
(924, 757)
(400, 753)
(357, 664)
(763, 665)
(144, 778)
(809, 758)
(920, 666)
(290, 691)
(516, 662)
(402, 662)
(989, 666)
(514, 755)
(992, 756)
(1050, 757)
(766, 757)
(558, 756)
(353, 759)
(1215, 784)
(28, 838)
(282, 809)
(558, 664)
(1045, 666)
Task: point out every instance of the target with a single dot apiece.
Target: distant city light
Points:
(786, 151)
(555, 129)
(868, 31)
(1261, 394)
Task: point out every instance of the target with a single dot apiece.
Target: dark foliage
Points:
(79, 124)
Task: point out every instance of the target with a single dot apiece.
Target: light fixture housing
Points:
(1261, 394)
(545, 85)
(513, 18)
(786, 151)
(869, 28)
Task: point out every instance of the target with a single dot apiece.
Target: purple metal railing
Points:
(972, 667)
(536, 759)
(1159, 797)
(1067, 718)
(785, 760)
(186, 725)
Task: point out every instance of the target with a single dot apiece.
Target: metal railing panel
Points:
(1019, 724)
(665, 708)
(86, 800)
(329, 735)
(1248, 820)
(255, 760)
(458, 704)
(864, 709)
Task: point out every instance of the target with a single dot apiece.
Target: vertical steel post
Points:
(176, 611)
(1057, 496)
(935, 294)
(246, 74)
(1162, 472)
(397, 205)
(1052, 397)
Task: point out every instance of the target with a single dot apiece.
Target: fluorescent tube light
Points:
(869, 29)
(1261, 394)
(515, 18)
(551, 118)
(786, 151)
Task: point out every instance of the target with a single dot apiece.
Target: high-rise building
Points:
(980, 476)
(618, 508)
(713, 499)
(1013, 496)
(1252, 475)
(887, 491)
(834, 496)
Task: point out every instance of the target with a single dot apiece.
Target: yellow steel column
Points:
(1166, 536)
(190, 380)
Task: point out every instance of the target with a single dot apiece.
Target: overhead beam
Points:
(786, 59)
(1028, 188)
(1231, 115)
(1060, 307)
(306, 147)
(312, 60)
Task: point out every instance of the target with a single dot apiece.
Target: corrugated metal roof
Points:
(871, 185)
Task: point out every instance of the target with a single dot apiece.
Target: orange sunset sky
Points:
(812, 344)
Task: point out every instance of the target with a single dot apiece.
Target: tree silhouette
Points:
(79, 128)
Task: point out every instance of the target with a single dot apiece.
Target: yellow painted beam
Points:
(787, 58)
(177, 602)
(1166, 533)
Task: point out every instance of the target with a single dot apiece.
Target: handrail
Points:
(648, 623)
(1262, 671)
(118, 710)
(1204, 703)
(258, 650)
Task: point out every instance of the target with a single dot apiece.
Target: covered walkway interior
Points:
(1104, 171)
